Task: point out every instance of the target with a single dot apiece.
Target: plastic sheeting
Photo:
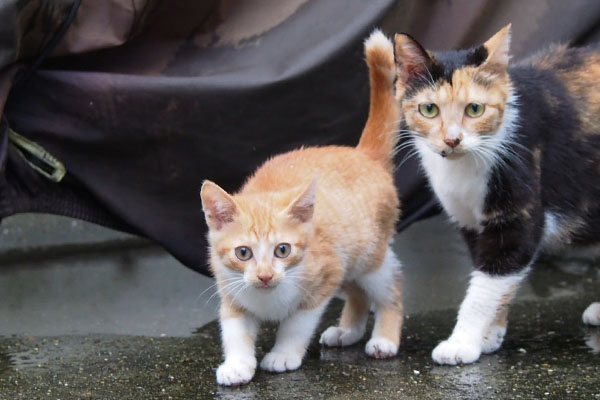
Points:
(142, 100)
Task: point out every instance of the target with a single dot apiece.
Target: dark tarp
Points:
(142, 100)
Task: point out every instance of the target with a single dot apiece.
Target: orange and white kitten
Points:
(307, 223)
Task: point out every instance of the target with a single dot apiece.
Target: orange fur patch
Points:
(353, 208)
(356, 307)
(356, 206)
(578, 79)
(389, 317)
(586, 99)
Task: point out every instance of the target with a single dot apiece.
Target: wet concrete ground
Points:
(134, 323)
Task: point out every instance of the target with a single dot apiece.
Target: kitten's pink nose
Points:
(265, 278)
(452, 142)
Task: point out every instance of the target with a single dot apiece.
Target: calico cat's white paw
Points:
(493, 340)
(591, 315)
(281, 362)
(335, 336)
(236, 372)
(380, 347)
(452, 352)
(593, 342)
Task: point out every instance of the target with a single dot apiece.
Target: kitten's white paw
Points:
(335, 336)
(493, 340)
(236, 372)
(381, 348)
(281, 362)
(452, 352)
(591, 315)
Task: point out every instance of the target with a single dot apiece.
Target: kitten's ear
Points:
(219, 207)
(498, 47)
(302, 208)
(411, 58)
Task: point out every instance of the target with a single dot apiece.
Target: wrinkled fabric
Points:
(144, 99)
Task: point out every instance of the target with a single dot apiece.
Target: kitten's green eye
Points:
(428, 110)
(282, 250)
(474, 110)
(243, 253)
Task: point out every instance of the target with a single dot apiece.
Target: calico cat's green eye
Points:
(474, 110)
(428, 110)
(282, 250)
(243, 253)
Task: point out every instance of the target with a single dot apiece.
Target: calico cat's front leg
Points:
(495, 336)
(238, 334)
(591, 315)
(476, 330)
(502, 254)
(293, 338)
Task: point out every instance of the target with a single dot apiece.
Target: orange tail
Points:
(380, 136)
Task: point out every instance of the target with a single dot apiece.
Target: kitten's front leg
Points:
(293, 337)
(353, 321)
(238, 334)
(487, 299)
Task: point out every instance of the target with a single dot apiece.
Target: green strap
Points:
(37, 158)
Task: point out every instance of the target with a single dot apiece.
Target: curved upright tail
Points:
(380, 135)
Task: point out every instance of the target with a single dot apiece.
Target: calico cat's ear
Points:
(411, 58)
(498, 47)
(219, 207)
(302, 208)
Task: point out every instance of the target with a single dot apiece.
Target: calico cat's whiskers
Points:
(489, 155)
(406, 134)
(395, 132)
(405, 145)
(413, 152)
(511, 144)
(505, 143)
(478, 159)
(408, 139)
(502, 153)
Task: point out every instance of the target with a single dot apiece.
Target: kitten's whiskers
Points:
(229, 288)
(243, 287)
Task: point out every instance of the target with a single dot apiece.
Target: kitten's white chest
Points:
(271, 304)
(460, 185)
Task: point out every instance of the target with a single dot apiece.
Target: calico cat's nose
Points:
(265, 278)
(452, 142)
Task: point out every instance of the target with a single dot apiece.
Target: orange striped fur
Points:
(336, 207)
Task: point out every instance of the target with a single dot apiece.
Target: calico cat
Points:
(513, 154)
(306, 224)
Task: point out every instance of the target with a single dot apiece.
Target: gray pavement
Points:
(37, 231)
(129, 321)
